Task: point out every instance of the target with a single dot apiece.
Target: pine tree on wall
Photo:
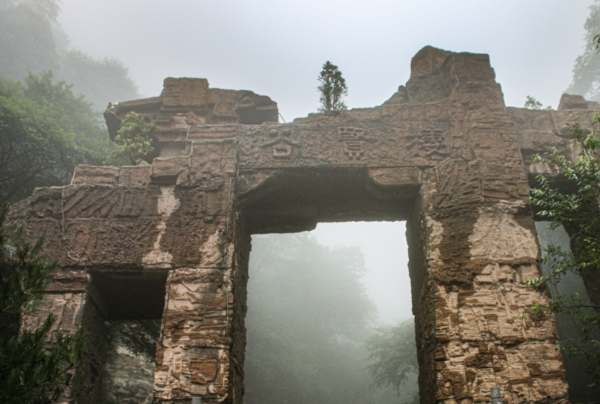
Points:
(333, 88)
(36, 366)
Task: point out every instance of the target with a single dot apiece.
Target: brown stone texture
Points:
(444, 153)
(189, 102)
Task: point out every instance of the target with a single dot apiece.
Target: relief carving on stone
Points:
(281, 142)
(429, 143)
(353, 140)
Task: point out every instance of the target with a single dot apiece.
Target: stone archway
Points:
(444, 153)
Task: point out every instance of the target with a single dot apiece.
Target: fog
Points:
(319, 305)
(310, 320)
(386, 258)
(277, 48)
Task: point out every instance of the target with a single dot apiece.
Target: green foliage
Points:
(333, 88)
(308, 317)
(578, 211)
(586, 72)
(33, 368)
(532, 103)
(74, 114)
(45, 131)
(127, 342)
(393, 353)
(134, 141)
(32, 41)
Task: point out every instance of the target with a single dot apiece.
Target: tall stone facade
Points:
(171, 239)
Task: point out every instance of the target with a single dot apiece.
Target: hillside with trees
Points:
(51, 96)
(308, 321)
(45, 131)
(31, 40)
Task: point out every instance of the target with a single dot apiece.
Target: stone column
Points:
(481, 250)
(201, 327)
(479, 261)
(68, 300)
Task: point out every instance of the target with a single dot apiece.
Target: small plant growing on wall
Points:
(532, 103)
(333, 88)
(134, 141)
(577, 212)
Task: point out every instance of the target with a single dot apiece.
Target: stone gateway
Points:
(171, 240)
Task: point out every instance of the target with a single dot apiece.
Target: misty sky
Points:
(277, 48)
(386, 259)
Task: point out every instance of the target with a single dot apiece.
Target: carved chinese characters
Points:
(353, 140)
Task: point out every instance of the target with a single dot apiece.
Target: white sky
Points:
(386, 259)
(277, 48)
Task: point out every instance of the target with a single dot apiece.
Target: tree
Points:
(35, 368)
(532, 103)
(73, 113)
(31, 40)
(586, 72)
(576, 209)
(393, 353)
(134, 141)
(333, 88)
(45, 131)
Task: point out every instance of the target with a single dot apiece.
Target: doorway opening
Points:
(123, 315)
(330, 317)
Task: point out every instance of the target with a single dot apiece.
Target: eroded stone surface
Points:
(127, 378)
(444, 153)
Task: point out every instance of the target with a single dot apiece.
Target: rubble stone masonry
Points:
(171, 240)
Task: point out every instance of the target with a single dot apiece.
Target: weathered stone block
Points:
(94, 175)
(134, 176)
(170, 171)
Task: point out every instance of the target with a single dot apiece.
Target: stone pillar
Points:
(481, 250)
(201, 326)
(193, 352)
(76, 304)
(67, 300)
(480, 260)
(175, 218)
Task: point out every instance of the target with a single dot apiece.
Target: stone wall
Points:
(128, 379)
(443, 153)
